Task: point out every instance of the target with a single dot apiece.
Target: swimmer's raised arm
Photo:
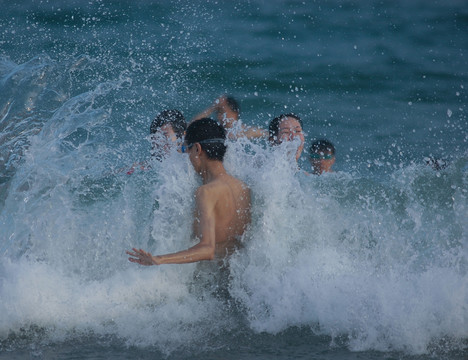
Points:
(209, 110)
(227, 111)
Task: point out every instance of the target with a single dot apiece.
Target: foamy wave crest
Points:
(381, 265)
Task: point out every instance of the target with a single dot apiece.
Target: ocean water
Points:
(369, 262)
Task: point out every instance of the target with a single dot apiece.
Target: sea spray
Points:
(372, 257)
(341, 254)
(345, 258)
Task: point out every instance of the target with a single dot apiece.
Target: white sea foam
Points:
(382, 264)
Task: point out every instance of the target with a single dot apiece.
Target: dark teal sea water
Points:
(369, 262)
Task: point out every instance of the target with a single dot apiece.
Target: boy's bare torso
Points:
(228, 200)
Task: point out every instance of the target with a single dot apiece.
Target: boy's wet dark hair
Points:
(273, 129)
(210, 135)
(322, 146)
(171, 117)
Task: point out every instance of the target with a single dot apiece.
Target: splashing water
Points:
(371, 257)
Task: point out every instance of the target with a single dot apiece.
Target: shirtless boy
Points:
(222, 210)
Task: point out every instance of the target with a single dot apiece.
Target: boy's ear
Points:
(198, 148)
